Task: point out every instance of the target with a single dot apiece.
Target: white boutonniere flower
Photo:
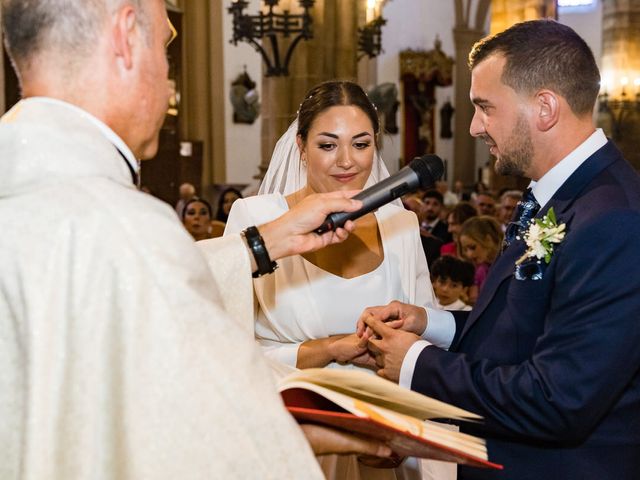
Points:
(543, 234)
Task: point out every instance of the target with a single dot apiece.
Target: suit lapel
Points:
(504, 266)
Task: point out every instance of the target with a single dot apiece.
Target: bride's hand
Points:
(345, 348)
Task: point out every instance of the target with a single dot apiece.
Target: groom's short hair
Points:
(544, 54)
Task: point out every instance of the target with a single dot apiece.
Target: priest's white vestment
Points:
(117, 359)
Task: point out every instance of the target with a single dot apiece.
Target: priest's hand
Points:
(293, 233)
(325, 440)
(388, 346)
(410, 318)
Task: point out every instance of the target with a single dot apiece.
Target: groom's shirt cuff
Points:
(441, 328)
(409, 363)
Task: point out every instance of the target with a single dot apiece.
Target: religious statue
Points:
(244, 99)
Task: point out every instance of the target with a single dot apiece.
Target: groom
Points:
(549, 355)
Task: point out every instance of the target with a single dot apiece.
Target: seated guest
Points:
(459, 192)
(196, 218)
(485, 204)
(225, 200)
(307, 307)
(430, 244)
(451, 278)
(449, 199)
(433, 206)
(186, 193)
(479, 242)
(508, 202)
(460, 213)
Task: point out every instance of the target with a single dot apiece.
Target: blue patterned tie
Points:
(525, 211)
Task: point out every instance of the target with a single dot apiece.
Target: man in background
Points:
(186, 192)
(432, 211)
(508, 202)
(485, 204)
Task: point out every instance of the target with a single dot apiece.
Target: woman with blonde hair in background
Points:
(479, 242)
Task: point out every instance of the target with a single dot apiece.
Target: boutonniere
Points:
(541, 237)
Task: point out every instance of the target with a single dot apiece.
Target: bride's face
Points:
(339, 150)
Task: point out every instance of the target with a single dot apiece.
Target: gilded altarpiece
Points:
(420, 73)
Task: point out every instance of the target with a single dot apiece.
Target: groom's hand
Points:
(388, 346)
(410, 318)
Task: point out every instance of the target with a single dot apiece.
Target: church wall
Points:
(417, 30)
(588, 24)
(242, 141)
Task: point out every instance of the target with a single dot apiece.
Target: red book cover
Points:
(310, 407)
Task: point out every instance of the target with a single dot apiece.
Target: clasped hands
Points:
(383, 336)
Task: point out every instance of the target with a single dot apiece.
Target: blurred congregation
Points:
(183, 254)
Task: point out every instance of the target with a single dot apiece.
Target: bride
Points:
(308, 308)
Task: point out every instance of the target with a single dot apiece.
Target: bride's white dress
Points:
(300, 301)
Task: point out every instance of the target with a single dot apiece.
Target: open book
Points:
(371, 406)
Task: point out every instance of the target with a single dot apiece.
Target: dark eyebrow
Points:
(327, 134)
(363, 134)
(333, 135)
(480, 101)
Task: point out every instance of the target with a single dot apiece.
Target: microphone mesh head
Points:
(429, 169)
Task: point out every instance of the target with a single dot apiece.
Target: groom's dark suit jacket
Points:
(553, 365)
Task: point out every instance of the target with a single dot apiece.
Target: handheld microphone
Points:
(422, 172)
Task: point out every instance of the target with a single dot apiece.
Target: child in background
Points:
(451, 278)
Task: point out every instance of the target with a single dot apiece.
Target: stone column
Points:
(505, 13)
(331, 54)
(202, 103)
(469, 28)
(464, 167)
(620, 60)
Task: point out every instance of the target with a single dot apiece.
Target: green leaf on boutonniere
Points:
(552, 216)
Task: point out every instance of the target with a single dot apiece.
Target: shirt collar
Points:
(100, 125)
(548, 185)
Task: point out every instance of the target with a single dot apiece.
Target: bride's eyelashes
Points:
(362, 145)
(327, 147)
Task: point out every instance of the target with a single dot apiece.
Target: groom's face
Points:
(501, 118)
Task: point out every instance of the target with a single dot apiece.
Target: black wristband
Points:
(260, 254)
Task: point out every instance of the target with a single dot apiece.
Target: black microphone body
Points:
(422, 172)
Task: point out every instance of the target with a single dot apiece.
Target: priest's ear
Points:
(123, 31)
(547, 105)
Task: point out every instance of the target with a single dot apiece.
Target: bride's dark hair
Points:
(331, 94)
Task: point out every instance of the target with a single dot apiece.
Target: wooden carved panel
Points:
(420, 73)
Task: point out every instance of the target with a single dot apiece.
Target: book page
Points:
(378, 391)
(428, 431)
